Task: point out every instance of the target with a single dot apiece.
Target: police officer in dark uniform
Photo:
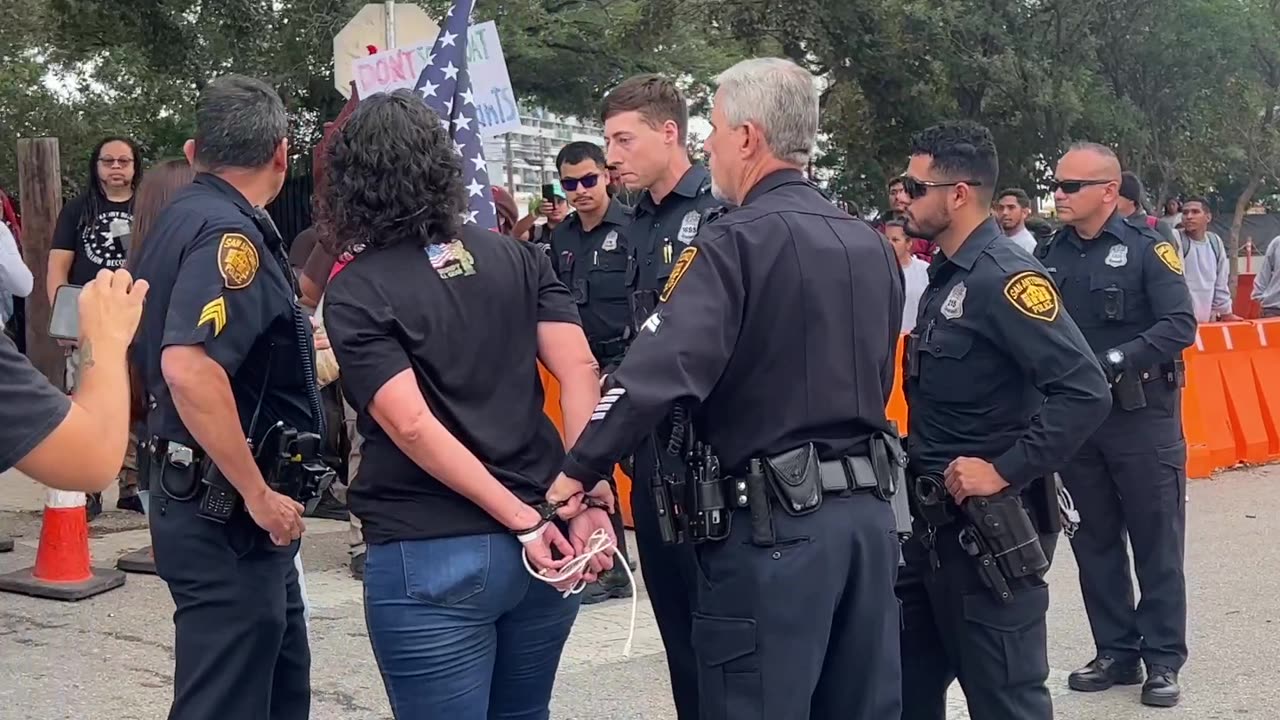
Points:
(1123, 283)
(1001, 388)
(228, 363)
(780, 320)
(591, 258)
(645, 123)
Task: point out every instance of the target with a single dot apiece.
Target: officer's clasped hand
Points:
(968, 477)
(571, 498)
(280, 516)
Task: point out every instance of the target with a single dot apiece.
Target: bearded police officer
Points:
(1123, 283)
(591, 259)
(646, 122)
(227, 360)
(780, 321)
(1002, 388)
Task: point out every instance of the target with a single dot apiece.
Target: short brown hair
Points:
(655, 97)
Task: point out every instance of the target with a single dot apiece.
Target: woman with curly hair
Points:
(439, 329)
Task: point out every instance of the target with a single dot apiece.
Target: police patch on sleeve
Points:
(1168, 255)
(1033, 295)
(237, 260)
(677, 272)
(214, 313)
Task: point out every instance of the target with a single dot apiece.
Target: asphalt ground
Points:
(110, 657)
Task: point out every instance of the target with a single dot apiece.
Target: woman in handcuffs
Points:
(439, 328)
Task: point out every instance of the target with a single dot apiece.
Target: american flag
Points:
(445, 85)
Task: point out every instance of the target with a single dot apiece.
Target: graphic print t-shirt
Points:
(97, 243)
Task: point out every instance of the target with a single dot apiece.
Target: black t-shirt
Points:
(463, 316)
(96, 243)
(30, 408)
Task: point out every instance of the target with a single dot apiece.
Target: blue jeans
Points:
(461, 631)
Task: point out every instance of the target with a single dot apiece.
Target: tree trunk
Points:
(1237, 222)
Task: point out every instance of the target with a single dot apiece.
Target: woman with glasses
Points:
(92, 234)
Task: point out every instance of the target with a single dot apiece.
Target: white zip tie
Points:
(598, 543)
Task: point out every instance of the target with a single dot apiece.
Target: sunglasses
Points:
(916, 189)
(109, 161)
(587, 181)
(1071, 187)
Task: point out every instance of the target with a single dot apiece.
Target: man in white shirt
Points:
(1013, 207)
(15, 277)
(915, 271)
(1266, 285)
(1205, 264)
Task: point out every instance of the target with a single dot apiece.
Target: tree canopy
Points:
(1187, 91)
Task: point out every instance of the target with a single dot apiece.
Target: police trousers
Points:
(806, 629)
(670, 581)
(1129, 481)
(953, 628)
(240, 639)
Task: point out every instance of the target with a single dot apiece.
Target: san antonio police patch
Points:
(1168, 255)
(237, 260)
(677, 272)
(1033, 295)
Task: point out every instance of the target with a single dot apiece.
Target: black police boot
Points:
(357, 567)
(612, 584)
(329, 508)
(130, 502)
(1104, 672)
(1161, 688)
(92, 506)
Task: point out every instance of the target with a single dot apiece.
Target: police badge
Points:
(954, 305)
(610, 241)
(689, 227)
(1118, 257)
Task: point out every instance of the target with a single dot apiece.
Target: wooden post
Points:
(40, 186)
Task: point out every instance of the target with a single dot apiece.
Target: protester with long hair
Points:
(439, 329)
(91, 235)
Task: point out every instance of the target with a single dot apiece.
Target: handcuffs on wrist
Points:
(547, 512)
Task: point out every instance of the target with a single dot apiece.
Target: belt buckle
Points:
(850, 477)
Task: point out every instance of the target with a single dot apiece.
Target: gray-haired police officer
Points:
(646, 121)
(1123, 283)
(227, 358)
(1002, 388)
(781, 319)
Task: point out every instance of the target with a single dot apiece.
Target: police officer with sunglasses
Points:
(590, 254)
(1122, 282)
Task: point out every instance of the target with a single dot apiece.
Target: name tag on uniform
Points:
(953, 307)
(689, 227)
(610, 241)
(1119, 256)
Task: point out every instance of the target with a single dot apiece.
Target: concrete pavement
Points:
(110, 656)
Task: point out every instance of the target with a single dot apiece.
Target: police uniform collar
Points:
(226, 188)
(615, 214)
(773, 181)
(689, 186)
(1115, 225)
(980, 239)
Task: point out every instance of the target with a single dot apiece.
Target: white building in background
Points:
(533, 151)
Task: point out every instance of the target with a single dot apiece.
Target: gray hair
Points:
(777, 96)
(1095, 148)
(239, 123)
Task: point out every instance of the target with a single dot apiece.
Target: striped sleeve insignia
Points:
(606, 403)
(214, 313)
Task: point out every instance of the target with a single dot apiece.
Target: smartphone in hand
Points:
(64, 319)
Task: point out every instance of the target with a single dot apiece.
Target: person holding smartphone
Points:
(74, 443)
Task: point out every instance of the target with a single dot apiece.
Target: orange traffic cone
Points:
(62, 570)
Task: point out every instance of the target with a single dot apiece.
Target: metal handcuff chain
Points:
(598, 544)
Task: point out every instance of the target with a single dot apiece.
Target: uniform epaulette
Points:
(713, 214)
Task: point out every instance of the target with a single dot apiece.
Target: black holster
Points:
(1129, 393)
(1007, 532)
